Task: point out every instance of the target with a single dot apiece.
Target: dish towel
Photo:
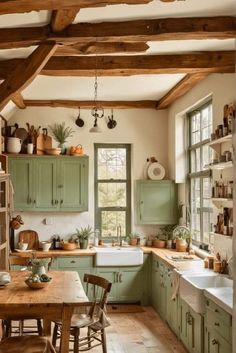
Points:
(175, 277)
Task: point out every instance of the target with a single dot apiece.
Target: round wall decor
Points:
(156, 171)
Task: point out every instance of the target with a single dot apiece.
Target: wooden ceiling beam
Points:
(101, 48)
(182, 87)
(24, 73)
(55, 103)
(18, 100)
(206, 62)
(222, 27)
(62, 18)
(20, 6)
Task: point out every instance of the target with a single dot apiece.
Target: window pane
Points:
(207, 156)
(110, 221)
(206, 227)
(195, 128)
(111, 194)
(206, 122)
(111, 163)
(195, 160)
(195, 208)
(207, 192)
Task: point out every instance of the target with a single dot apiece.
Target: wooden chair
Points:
(26, 344)
(21, 328)
(93, 320)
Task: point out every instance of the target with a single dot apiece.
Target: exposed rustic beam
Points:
(55, 103)
(101, 48)
(24, 73)
(206, 62)
(140, 30)
(20, 6)
(18, 100)
(62, 18)
(182, 87)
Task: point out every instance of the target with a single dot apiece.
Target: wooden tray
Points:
(30, 237)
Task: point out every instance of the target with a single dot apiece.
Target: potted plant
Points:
(167, 234)
(60, 133)
(158, 242)
(181, 234)
(82, 236)
(133, 238)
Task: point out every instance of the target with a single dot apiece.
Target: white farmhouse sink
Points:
(191, 288)
(118, 256)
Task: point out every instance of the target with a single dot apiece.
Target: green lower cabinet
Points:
(191, 328)
(218, 329)
(127, 283)
(156, 284)
(80, 264)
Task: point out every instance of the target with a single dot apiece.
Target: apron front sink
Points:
(118, 256)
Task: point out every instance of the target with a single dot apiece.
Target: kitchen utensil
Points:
(53, 151)
(30, 237)
(43, 142)
(21, 133)
(156, 171)
(45, 245)
(79, 122)
(111, 122)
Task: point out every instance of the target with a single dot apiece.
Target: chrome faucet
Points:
(118, 233)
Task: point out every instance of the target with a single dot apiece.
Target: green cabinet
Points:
(156, 202)
(191, 328)
(218, 329)
(50, 183)
(172, 304)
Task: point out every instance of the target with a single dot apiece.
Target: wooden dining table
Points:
(57, 301)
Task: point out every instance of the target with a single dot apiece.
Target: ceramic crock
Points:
(13, 145)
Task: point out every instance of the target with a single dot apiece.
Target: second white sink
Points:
(118, 256)
(191, 288)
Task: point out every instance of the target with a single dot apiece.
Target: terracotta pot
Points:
(181, 245)
(133, 242)
(157, 243)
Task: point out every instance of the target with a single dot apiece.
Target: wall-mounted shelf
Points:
(216, 144)
(223, 165)
(221, 201)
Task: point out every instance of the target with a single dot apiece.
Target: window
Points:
(200, 156)
(112, 189)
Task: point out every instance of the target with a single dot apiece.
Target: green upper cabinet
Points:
(50, 183)
(156, 202)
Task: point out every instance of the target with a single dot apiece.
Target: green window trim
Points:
(127, 209)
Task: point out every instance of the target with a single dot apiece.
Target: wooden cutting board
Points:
(30, 237)
(43, 142)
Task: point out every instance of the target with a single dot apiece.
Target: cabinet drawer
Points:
(219, 313)
(75, 262)
(219, 325)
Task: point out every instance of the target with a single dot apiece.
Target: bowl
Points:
(37, 285)
(53, 151)
(68, 246)
(45, 245)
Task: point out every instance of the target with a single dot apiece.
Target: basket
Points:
(68, 246)
(37, 285)
(53, 151)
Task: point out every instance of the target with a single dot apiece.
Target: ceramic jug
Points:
(13, 145)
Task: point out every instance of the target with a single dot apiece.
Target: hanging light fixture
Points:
(97, 111)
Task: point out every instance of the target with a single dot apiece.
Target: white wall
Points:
(146, 130)
(222, 89)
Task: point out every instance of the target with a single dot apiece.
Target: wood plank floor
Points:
(143, 332)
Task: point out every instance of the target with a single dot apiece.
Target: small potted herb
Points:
(133, 238)
(181, 234)
(82, 236)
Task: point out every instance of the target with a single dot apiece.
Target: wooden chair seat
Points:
(26, 344)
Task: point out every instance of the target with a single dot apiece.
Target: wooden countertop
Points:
(163, 254)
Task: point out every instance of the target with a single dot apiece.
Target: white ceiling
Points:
(121, 88)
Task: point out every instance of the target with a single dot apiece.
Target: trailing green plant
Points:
(181, 232)
(60, 132)
(83, 233)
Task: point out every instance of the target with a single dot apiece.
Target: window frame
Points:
(205, 173)
(98, 210)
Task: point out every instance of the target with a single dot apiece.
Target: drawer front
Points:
(219, 325)
(219, 313)
(75, 262)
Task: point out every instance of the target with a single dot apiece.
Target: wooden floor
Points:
(141, 332)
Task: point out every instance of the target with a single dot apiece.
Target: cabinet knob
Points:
(61, 202)
(217, 324)
(216, 310)
(72, 262)
(214, 342)
(120, 277)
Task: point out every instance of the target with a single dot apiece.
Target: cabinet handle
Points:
(29, 200)
(214, 342)
(117, 277)
(120, 277)
(56, 202)
(61, 202)
(72, 262)
(217, 324)
(216, 310)
(52, 202)
(34, 201)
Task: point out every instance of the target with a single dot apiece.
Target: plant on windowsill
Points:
(61, 133)
(133, 238)
(82, 236)
(181, 234)
(166, 233)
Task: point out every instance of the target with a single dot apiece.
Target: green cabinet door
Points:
(183, 322)
(111, 274)
(156, 284)
(156, 202)
(172, 305)
(214, 343)
(45, 179)
(21, 170)
(73, 184)
(130, 287)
